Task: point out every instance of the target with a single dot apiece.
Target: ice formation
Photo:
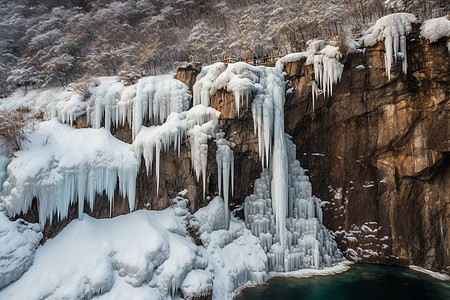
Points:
(112, 103)
(235, 254)
(435, 29)
(202, 124)
(4, 162)
(61, 165)
(284, 215)
(225, 170)
(308, 243)
(327, 68)
(199, 124)
(18, 241)
(392, 30)
(238, 78)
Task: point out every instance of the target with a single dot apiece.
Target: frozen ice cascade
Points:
(60, 165)
(392, 30)
(112, 103)
(327, 68)
(282, 212)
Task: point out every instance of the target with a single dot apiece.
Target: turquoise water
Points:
(362, 281)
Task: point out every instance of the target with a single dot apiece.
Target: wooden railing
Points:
(253, 61)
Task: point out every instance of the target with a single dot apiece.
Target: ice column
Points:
(225, 170)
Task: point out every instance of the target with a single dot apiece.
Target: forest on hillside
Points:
(55, 42)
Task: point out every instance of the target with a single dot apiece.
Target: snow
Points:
(435, 29)
(198, 283)
(392, 30)
(61, 165)
(145, 254)
(437, 275)
(18, 241)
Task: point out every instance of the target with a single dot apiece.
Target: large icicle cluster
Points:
(392, 30)
(239, 78)
(112, 103)
(435, 29)
(327, 68)
(199, 124)
(61, 166)
(309, 243)
(225, 170)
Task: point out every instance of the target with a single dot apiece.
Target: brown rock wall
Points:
(378, 151)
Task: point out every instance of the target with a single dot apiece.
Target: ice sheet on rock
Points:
(327, 68)
(435, 29)
(144, 252)
(156, 98)
(61, 165)
(202, 125)
(199, 124)
(225, 170)
(156, 138)
(18, 242)
(204, 81)
(239, 78)
(392, 30)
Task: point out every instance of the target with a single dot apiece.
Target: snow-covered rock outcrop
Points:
(392, 30)
(18, 242)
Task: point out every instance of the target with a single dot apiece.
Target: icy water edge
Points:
(361, 281)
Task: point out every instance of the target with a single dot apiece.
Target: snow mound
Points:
(18, 241)
(144, 252)
(61, 166)
(435, 29)
(198, 283)
(392, 30)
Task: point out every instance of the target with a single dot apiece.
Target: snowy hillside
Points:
(53, 43)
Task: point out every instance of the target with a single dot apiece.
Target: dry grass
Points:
(13, 128)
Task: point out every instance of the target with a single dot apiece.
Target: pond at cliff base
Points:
(361, 281)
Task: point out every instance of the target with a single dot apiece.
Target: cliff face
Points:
(378, 153)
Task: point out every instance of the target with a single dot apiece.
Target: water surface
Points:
(362, 281)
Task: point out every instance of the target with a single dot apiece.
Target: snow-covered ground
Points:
(142, 255)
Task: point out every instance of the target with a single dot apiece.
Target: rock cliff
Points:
(378, 153)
